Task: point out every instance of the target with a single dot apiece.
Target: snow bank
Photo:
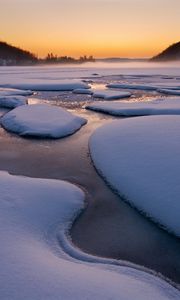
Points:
(139, 157)
(12, 101)
(110, 94)
(49, 85)
(33, 263)
(42, 120)
(14, 92)
(161, 107)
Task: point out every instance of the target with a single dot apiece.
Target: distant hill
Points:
(10, 55)
(169, 54)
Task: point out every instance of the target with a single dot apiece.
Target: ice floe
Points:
(41, 120)
(169, 92)
(132, 86)
(108, 94)
(152, 86)
(83, 91)
(35, 215)
(14, 92)
(12, 101)
(161, 107)
(49, 85)
(139, 157)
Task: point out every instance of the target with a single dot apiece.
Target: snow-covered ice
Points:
(138, 75)
(48, 85)
(156, 107)
(12, 101)
(145, 87)
(169, 92)
(42, 120)
(83, 91)
(35, 215)
(108, 94)
(139, 157)
(14, 92)
(131, 86)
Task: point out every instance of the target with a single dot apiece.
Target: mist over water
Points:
(137, 67)
(100, 68)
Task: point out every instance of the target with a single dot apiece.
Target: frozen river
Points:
(108, 227)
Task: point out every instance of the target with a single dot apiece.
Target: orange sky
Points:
(123, 28)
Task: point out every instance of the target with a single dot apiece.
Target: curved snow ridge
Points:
(139, 158)
(42, 120)
(12, 101)
(62, 238)
(32, 210)
(156, 107)
(49, 85)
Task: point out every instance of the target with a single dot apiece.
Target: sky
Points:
(103, 28)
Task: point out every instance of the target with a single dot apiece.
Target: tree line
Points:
(10, 55)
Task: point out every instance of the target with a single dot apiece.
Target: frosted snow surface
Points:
(34, 266)
(108, 94)
(12, 101)
(42, 120)
(157, 107)
(139, 157)
(14, 92)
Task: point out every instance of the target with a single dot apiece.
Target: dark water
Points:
(108, 227)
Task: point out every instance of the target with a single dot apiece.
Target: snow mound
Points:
(12, 101)
(33, 212)
(53, 85)
(83, 91)
(110, 94)
(139, 157)
(169, 92)
(161, 107)
(42, 120)
(14, 92)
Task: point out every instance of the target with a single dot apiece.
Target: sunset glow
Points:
(123, 28)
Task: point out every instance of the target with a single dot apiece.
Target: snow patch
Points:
(110, 94)
(157, 107)
(139, 157)
(42, 121)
